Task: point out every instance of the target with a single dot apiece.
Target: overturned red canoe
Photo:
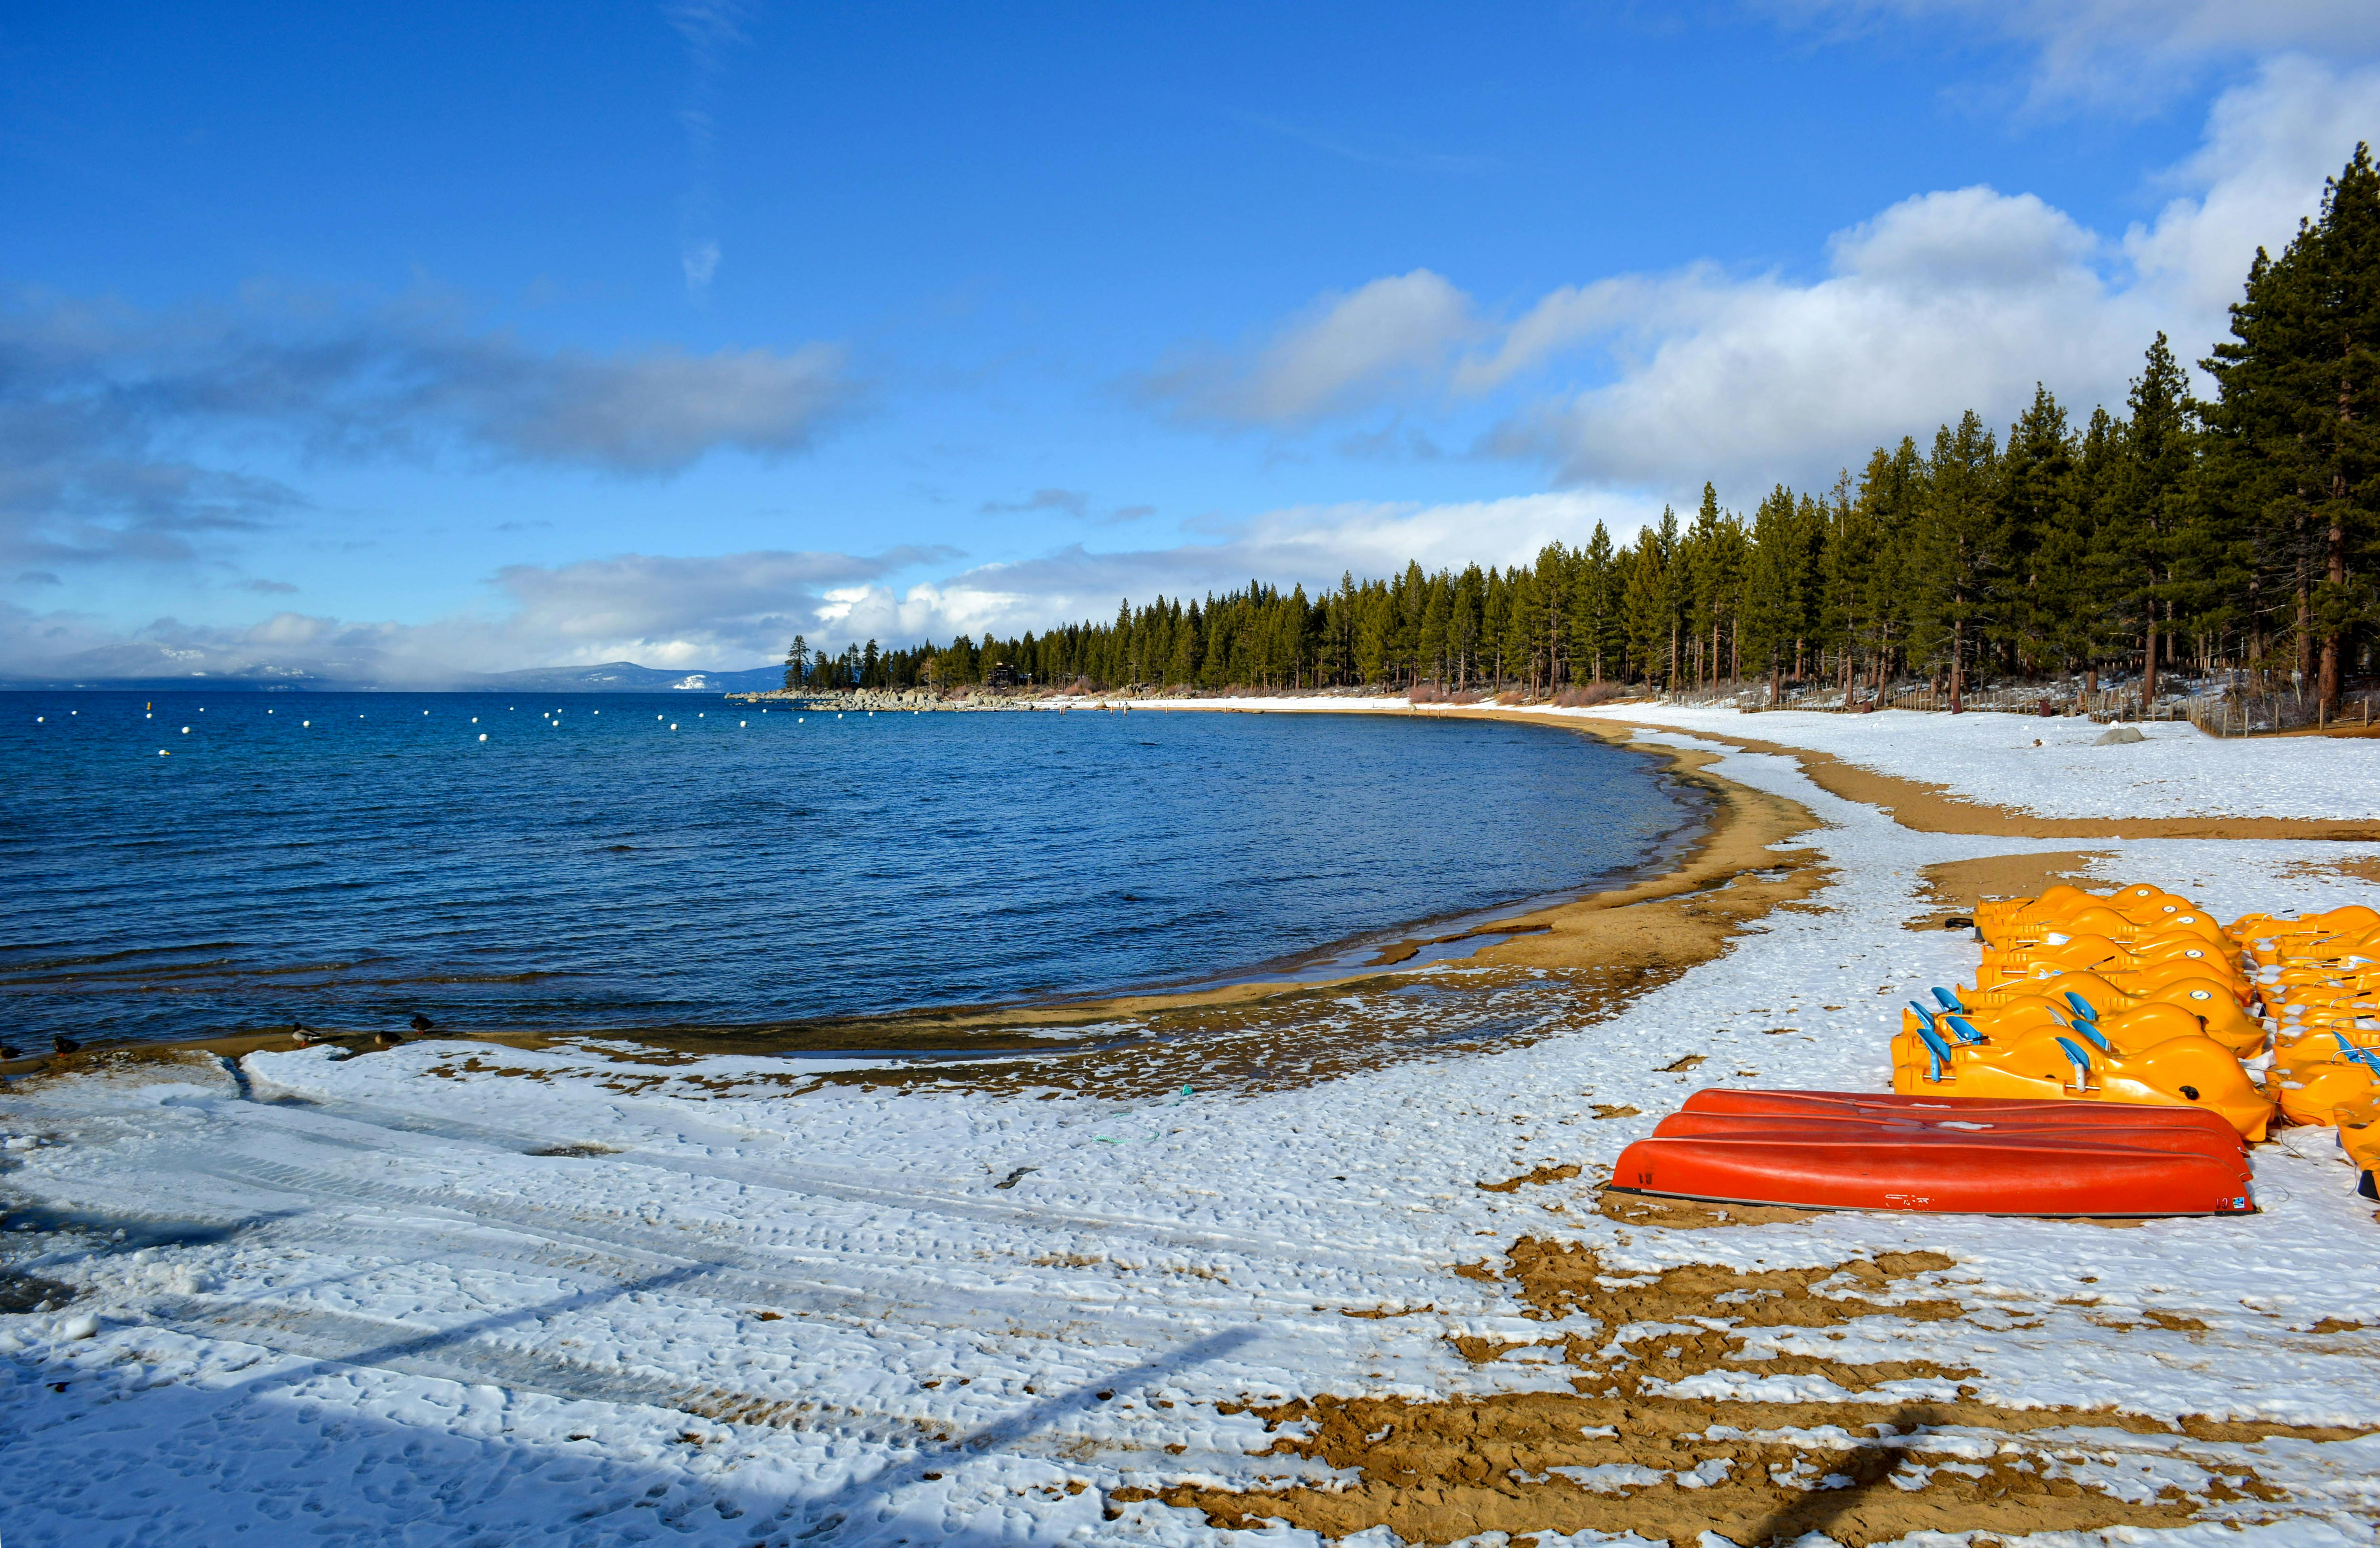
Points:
(2222, 1145)
(2028, 1176)
(2079, 1115)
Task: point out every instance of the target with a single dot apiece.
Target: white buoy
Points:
(743, 722)
(475, 720)
(801, 720)
(672, 725)
(484, 735)
(163, 753)
(305, 723)
(186, 730)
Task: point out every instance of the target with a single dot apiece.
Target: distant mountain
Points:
(613, 676)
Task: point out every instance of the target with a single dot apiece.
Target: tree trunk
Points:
(2335, 573)
(2149, 662)
(1958, 665)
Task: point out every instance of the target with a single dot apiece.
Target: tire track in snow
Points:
(1304, 1254)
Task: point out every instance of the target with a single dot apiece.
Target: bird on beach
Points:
(66, 1045)
(303, 1033)
(10, 1051)
(388, 1039)
(421, 1023)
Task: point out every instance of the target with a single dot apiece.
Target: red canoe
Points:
(1846, 1150)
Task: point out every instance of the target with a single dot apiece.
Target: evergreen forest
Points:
(2178, 535)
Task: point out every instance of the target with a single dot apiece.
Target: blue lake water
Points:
(633, 862)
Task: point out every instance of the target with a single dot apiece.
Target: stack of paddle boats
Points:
(2318, 979)
(2099, 1067)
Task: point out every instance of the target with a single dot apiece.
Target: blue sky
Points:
(442, 337)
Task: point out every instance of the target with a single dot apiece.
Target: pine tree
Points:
(1772, 589)
(1958, 547)
(2038, 515)
(2141, 527)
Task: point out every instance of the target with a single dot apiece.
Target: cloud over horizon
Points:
(728, 611)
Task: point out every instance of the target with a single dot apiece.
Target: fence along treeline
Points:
(2237, 532)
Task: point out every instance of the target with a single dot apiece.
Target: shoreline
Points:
(1663, 916)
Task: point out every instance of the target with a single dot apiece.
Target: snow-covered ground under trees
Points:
(456, 1294)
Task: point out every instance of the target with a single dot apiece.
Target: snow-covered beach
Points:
(456, 1293)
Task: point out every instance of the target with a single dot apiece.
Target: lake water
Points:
(626, 862)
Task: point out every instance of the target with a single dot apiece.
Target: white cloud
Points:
(109, 417)
(1305, 545)
(1945, 301)
(2131, 50)
(2269, 145)
(1345, 351)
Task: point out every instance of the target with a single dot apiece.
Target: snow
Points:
(328, 1300)
(2176, 771)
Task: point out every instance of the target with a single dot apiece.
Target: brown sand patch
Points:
(1614, 1110)
(1931, 808)
(1442, 1472)
(1691, 1214)
(136, 1059)
(2359, 869)
(1542, 1174)
(1864, 1470)
(1954, 887)
(1556, 1280)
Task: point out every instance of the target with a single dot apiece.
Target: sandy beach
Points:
(1323, 1261)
